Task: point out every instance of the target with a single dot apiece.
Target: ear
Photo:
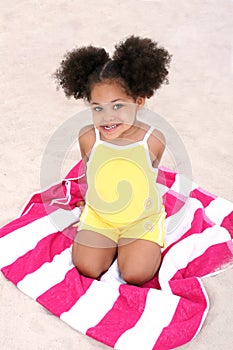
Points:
(140, 101)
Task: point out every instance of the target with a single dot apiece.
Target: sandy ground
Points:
(198, 103)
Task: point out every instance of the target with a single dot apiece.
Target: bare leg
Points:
(92, 253)
(138, 260)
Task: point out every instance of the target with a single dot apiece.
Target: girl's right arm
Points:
(86, 141)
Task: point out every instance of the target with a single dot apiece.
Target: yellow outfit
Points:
(122, 199)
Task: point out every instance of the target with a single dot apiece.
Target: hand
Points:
(81, 205)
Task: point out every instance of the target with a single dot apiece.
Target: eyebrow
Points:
(118, 99)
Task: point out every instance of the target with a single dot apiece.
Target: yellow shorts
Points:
(150, 228)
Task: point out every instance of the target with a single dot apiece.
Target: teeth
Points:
(110, 127)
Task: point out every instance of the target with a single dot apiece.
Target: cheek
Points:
(97, 118)
(128, 117)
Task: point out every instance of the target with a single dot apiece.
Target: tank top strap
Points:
(147, 135)
(97, 135)
(144, 140)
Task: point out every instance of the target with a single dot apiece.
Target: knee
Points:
(86, 267)
(136, 276)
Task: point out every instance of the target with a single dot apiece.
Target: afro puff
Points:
(142, 64)
(137, 64)
(76, 67)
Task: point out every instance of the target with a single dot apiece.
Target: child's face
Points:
(114, 112)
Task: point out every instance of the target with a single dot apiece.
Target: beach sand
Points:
(198, 103)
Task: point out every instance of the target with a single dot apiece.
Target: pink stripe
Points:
(79, 186)
(166, 177)
(124, 314)
(227, 223)
(61, 297)
(199, 224)
(44, 197)
(44, 252)
(153, 283)
(57, 191)
(204, 197)
(35, 199)
(179, 196)
(211, 260)
(173, 202)
(188, 316)
(77, 191)
(24, 220)
(77, 170)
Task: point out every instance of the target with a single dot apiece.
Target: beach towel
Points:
(164, 313)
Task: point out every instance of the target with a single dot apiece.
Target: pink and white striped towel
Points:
(168, 311)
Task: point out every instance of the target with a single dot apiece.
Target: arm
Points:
(156, 144)
(86, 141)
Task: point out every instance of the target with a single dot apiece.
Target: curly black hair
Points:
(137, 64)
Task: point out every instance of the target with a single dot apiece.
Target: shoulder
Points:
(156, 136)
(156, 145)
(87, 134)
(86, 131)
(157, 142)
(86, 140)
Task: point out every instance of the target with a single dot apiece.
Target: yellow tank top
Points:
(122, 182)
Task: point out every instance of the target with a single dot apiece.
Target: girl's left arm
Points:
(156, 144)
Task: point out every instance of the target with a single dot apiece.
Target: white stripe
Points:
(218, 209)
(176, 225)
(183, 185)
(158, 313)
(92, 306)
(48, 275)
(113, 275)
(63, 218)
(25, 238)
(162, 189)
(187, 250)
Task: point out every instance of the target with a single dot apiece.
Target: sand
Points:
(198, 103)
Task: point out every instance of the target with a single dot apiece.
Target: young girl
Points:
(123, 212)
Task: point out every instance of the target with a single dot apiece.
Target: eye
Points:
(97, 109)
(118, 106)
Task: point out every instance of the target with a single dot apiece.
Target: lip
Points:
(111, 128)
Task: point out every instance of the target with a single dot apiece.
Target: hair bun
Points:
(76, 67)
(142, 64)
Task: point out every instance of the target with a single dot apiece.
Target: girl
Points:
(123, 213)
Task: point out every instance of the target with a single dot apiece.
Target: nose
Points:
(108, 119)
(109, 116)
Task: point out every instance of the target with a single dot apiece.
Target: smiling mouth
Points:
(110, 127)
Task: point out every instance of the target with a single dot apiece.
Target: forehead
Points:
(108, 92)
